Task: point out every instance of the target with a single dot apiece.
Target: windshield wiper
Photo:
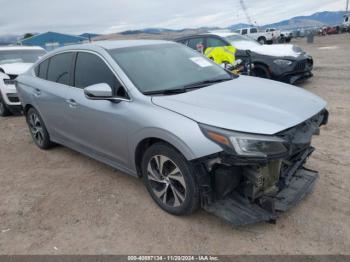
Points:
(186, 88)
(166, 92)
(205, 83)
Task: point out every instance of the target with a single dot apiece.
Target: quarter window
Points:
(59, 68)
(184, 42)
(91, 69)
(41, 70)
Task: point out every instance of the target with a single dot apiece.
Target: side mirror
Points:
(98, 92)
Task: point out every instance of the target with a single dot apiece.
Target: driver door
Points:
(99, 127)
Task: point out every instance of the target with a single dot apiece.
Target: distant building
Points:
(52, 40)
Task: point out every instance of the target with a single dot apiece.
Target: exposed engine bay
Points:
(246, 190)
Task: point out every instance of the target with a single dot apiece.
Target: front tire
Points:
(4, 111)
(37, 129)
(261, 71)
(169, 178)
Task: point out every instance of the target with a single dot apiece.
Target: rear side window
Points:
(215, 42)
(244, 31)
(91, 69)
(59, 68)
(253, 30)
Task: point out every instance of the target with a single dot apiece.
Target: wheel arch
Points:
(263, 65)
(26, 108)
(143, 146)
(150, 137)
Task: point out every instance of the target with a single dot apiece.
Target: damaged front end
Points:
(255, 178)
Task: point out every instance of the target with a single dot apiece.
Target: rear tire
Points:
(4, 111)
(169, 178)
(37, 129)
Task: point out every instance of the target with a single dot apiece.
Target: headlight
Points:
(245, 144)
(282, 62)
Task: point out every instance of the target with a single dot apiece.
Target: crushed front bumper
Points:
(245, 190)
(239, 211)
(301, 69)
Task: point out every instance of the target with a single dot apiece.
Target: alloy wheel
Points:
(36, 128)
(166, 180)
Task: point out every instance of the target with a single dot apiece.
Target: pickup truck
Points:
(261, 37)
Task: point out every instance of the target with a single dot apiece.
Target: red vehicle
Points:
(332, 30)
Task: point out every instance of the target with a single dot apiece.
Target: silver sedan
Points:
(198, 135)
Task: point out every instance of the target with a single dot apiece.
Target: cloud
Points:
(107, 16)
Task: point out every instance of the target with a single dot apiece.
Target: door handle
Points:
(71, 103)
(37, 92)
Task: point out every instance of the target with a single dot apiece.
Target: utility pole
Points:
(245, 10)
(347, 6)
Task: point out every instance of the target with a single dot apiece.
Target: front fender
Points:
(188, 139)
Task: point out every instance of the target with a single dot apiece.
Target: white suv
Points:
(14, 60)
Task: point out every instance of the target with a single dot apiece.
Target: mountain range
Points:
(315, 20)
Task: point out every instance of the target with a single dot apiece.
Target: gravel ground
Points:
(61, 202)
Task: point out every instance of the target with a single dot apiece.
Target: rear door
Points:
(51, 89)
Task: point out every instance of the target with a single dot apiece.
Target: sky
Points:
(110, 16)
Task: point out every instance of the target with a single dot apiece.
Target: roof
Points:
(192, 36)
(221, 34)
(115, 44)
(224, 34)
(10, 48)
(127, 43)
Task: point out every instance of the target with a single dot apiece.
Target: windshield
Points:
(242, 42)
(20, 56)
(164, 67)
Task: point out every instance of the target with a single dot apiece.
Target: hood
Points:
(277, 50)
(246, 104)
(16, 68)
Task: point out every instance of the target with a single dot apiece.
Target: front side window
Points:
(253, 30)
(165, 67)
(215, 42)
(91, 69)
(59, 68)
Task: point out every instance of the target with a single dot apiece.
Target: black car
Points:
(282, 62)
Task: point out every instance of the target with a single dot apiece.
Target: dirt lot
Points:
(61, 202)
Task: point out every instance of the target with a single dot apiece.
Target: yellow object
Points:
(221, 54)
